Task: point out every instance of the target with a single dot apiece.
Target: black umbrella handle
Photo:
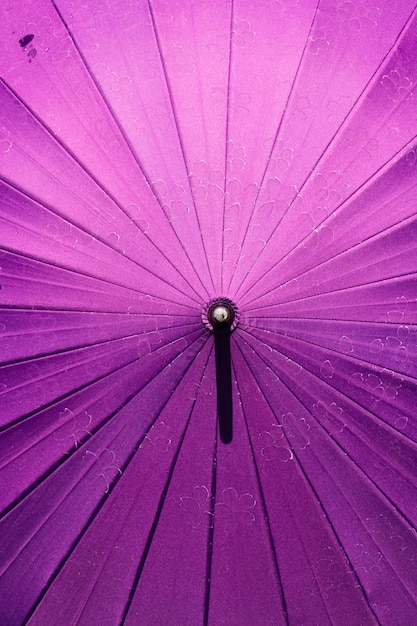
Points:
(221, 320)
(224, 384)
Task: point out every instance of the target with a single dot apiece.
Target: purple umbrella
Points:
(208, 313)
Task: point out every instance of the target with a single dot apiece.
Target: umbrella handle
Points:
(224, 383)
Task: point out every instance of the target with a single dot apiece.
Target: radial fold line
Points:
(125, 219)
(122, 257)
(375, 487)
(356, 193)
(180, 139)
(259, 480)
(237, 588)
(88, 340)
(84, 409)
(327, 379)
(367, 341)
(350, 249)
(73, 290)
(365, 290)
(402, 475)
(70, 461)
(124, 131)
(151, 558)
(94, 249)
(308, 342)
(293, 515)
(274, 142)
(130, 147)
(226, 140)
(336, 134)
(29, 404)
(121, 532)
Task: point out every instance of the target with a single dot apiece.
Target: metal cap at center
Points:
(220, 315)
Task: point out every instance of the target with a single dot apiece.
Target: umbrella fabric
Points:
(157, 155)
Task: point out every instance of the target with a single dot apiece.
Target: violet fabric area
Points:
(157, 155)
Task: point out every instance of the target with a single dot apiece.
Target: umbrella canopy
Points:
(158, 157)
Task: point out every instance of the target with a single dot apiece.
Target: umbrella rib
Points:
(294, 517)
(85, 273)
(166, 368)
(68, 367)
(335, 135)
(97, 430)
(60, 309)
(226, 143)
(307, 478)
(159, 510)
(210, 538)
(357, 192)
(293, 335)
(84, 346)
(158, 513)
(333, 321)
(180, 139)
(107, 193)
(409, 379)
(383, 496)
(14, 309)
(129, 146)
(258, 478)
(392, 279)
(340, 290)
(98, 238)
(287, 333)
(351, 460)
(353, 247)
(352, 401)
(376, 487)
(245, 235)
(93, 513)
(86, 385)
(96, 280)
(205, 134)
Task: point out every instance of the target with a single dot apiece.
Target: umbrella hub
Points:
(220, 315)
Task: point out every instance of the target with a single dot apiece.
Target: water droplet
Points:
(401, 354)
(345, 345)
(401, 422)
(376, 346)
(25, 41)
(326, 369)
